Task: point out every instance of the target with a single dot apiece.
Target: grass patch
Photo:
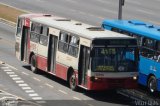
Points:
(10, 13)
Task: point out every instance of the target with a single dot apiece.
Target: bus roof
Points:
(136, 27)
(82, 29)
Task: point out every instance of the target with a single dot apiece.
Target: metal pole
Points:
(120, 10)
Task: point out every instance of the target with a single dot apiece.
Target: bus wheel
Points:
(33, 64)
(152, 84)
(72, 82)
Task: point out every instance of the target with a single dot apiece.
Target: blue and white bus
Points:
(148, 37)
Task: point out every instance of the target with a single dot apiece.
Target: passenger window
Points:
(34, 37)
(19, 27)
(157, 57)
(64, 37)
(20, 23)
(73, 46)
(63, 42)
(43, 40)
(157, 51)
(74, 41)
(158, 46)
(148, 53)
(44, 30)
(33, 26)
(139, 39)
(149, 43)
(36, 28)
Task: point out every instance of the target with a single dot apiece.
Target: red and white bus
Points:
(84, 55)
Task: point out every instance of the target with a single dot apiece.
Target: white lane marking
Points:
(23, 85)
(133, 2)
(76, 98)
(34, 94)
(145, 12)
(12, 67)
(20, 81)
(40, 101)
(4, 67)
(37, 98)
(13, 75)
(26, 88)
(29, 91)
(71, 1)
(90, 105)
(63, 92)
(10, 72)
(49, 85)
(16, 78)
(25, 73)
(36, 79)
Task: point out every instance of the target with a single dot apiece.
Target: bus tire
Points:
(152, 84)
(34, 64)
(72, 82)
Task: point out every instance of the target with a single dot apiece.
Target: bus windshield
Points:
(113, 60)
